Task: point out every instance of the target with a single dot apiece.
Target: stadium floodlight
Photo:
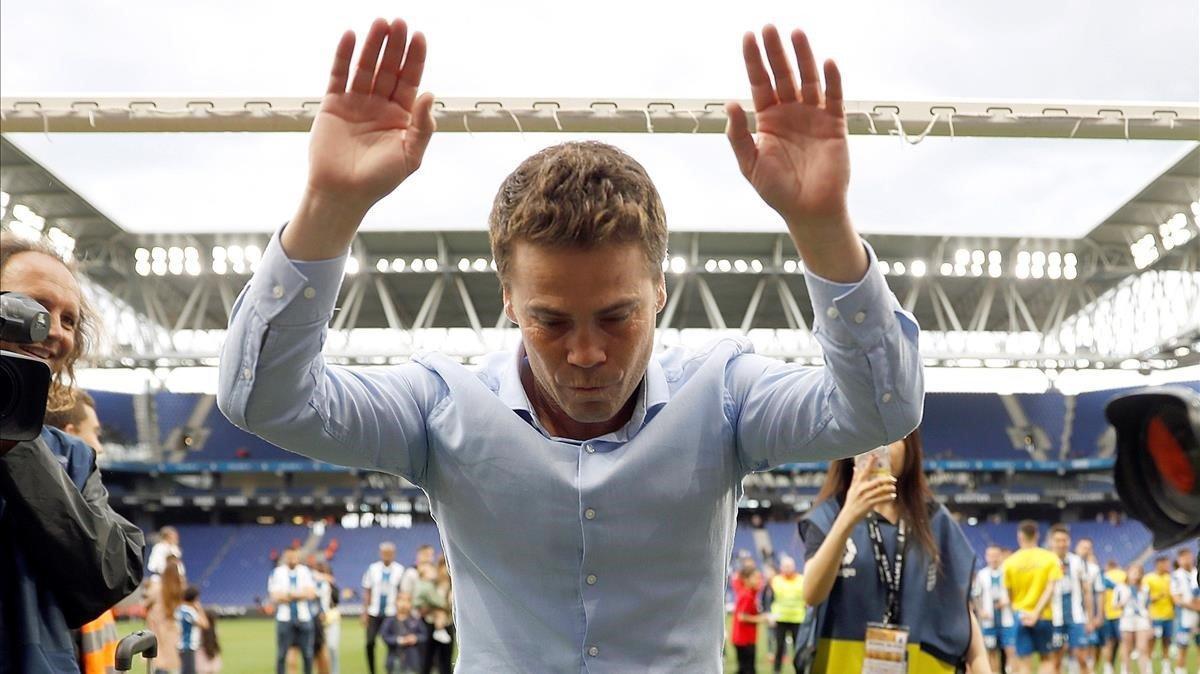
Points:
(175, 253)
(678, 265)
(886, 267)
(976, 269)
(789, 266)
(724, 265)
(158, 253)
(710, 265)
(381, 265)
(480, 264)
(756, 265)
(1069, 273)
(1144, 250)
(219, 266)
(351, 265)
(1038, 272)
(1038, 258)
(960, 269)
(898, 268)
(5, 198)
(191, 253)
(740, 266)
(159, 267)
(917, 267)
(994, 257)
(977, 257)
(29, 217)
(962, 256)
(464, 264)
(417, 265)
(994, 270)
(1054, 272)
(431, 264)
(397, 264)
(947, 269)
(253, 254)
(1175, 231)
(192, 266)
(218, 253)
(1070, 259)
(141, 254)
(142, 267)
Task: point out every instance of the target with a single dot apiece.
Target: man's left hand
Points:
(800, 162)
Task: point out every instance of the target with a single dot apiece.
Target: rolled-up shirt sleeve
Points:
(869, 393)
(274, 381)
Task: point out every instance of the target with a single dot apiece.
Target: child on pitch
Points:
(405, 635)
(191, 619)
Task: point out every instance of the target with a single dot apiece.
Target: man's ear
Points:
(70, 429)
(508, 308)
(660, 294)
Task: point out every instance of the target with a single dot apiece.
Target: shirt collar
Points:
(652, 396)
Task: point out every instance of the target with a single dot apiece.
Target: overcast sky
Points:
(1017, 50)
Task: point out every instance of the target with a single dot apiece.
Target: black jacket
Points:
(65, 555)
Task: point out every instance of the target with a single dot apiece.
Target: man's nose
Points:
(585, 349)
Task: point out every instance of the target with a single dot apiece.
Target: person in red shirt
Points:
(746, 616)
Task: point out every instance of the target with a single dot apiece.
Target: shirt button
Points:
(832, 312)
(591, 579)
(310, 293)
(887, 397)
(590, 514)
(593, 651)
(277, 291)
(246, 373)
(860, 317)
(589, 449)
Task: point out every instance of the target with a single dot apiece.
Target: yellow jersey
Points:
(1027, 574)
(788, 605)
(1111, 611)
(1162, 606)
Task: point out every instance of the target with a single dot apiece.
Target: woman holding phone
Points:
(888, 571)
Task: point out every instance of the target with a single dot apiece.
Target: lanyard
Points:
(891, 576)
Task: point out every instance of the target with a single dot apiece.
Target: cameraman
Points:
(65, 556)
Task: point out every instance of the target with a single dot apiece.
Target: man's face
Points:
(993, 556)
(47, 281)
(787, 566)
(1060, 544)
(587, 319)
(1162, 566)
(291, 558)
(387, 554)
(1084, 549)
(88, 430)
(1186, 561)
(425, 556)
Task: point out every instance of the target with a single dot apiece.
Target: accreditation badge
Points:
(886, 649)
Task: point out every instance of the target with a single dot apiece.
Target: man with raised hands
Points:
(586, 486)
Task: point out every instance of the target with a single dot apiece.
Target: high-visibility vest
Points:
(98, 645)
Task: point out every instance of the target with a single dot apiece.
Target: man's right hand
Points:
(365, 140)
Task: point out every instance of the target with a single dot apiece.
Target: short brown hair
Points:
(579, 194)
(1028, 529)
(1060, 528)
(75, 414)
(62, 390)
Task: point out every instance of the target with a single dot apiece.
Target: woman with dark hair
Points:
(881, 552)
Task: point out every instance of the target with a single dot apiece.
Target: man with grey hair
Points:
(380, 583)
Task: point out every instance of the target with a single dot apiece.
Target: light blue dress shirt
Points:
(606, 555)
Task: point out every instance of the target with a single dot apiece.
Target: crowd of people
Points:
(1077, 616)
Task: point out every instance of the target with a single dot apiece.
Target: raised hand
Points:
(369, 135)
(800, 161)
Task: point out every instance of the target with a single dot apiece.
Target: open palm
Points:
(799, 163)
(366, 140)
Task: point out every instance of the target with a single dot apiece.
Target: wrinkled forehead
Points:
(581, 276)
(43, 278)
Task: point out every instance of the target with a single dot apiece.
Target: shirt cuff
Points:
(287, 292)
(853, 313)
